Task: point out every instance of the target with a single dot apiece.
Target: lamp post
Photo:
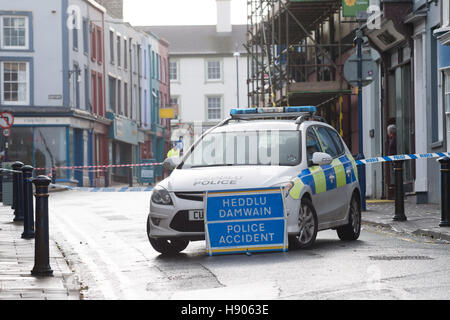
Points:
(237, 55)
(361, 168)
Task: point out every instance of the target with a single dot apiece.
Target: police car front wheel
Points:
(308, 224)
(166, 246)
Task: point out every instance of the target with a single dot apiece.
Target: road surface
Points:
(103, 235)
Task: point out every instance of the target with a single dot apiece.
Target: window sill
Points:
(16, 50)
(437, 144)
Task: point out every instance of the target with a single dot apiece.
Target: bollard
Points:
(41, 249)
(445, 191)
(106, 177)
(53, 175)
(15, 166)
(17, 191)
(1, 186)
(399, 194)
(130, 176)
(28, 213)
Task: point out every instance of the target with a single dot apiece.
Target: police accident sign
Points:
(240, 221)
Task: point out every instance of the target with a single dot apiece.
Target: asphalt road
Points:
(103, 235)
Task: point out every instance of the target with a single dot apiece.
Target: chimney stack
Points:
(113, 7)
(223, 16)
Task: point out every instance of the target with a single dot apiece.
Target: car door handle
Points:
(348, 172)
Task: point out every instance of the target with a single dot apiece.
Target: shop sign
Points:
(122, 129)
(351, 7)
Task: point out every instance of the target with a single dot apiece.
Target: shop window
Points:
(50, 148)
(19, 145)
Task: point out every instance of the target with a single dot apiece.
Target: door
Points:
(318, 182)
(336, 187)
(78, 155)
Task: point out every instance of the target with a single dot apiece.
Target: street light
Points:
(237, 55)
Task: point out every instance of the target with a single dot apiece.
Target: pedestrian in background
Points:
(392, 139)
(174, 152)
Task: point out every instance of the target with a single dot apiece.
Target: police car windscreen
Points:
(274, 147)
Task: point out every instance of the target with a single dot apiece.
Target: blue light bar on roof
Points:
(274, 110)
(301, 109)
(243, 111)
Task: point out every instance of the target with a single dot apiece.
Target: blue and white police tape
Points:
(400, 157)
(107, 189)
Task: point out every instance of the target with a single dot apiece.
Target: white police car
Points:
(261, 148)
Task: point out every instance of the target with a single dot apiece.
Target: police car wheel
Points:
(168, 247)
(164, 246)
(352, 230)
(308, 223)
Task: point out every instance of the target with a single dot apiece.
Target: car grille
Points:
(193, 196)
(181, 223)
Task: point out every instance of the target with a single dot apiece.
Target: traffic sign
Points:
(6, 120)
(369, 69)
(242, 221)
(6, 132)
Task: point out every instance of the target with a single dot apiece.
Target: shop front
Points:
(47, 142)
(123, 145)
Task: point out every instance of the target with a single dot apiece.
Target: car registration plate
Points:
(196, 215)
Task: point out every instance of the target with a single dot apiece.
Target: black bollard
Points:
(1, 186)
(53, 175)
(106, 177)
(445, 191)
(130, 176)
(28, 212)
(17, 191)
(15, 166)
(41, 249)
(399, 194)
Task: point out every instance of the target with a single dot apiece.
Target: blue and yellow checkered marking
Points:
(340, 172)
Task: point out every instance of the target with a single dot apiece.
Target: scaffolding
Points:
(295, 52)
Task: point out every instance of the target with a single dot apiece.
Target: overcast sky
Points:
(180, 12)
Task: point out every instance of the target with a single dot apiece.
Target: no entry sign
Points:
(242, 221)
(6, 120)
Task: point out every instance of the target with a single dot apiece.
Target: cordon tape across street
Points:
(317, 183)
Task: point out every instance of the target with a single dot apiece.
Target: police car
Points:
(287, 147)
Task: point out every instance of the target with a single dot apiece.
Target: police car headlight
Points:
(286, 187)
(161, 196)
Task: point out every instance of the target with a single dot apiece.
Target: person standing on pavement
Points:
(174, 152)
(392, 139)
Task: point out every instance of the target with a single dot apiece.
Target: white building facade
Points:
(207, 71)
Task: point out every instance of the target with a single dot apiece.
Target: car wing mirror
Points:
(171, 163)
(321, 159)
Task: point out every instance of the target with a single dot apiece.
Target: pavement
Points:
(17, 261)
(422, 219)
